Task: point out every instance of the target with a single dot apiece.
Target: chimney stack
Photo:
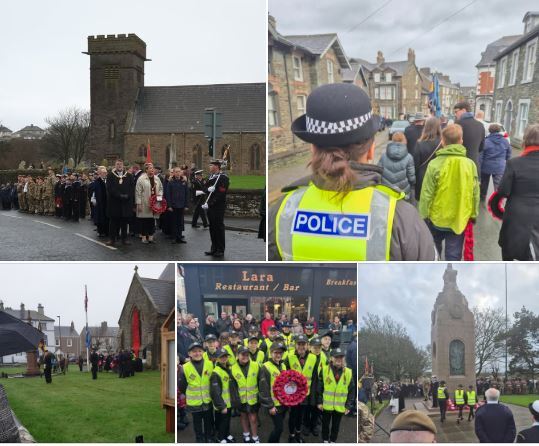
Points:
(40, 310)
(380, 58)
(22, 311)
(72, 326)
(2, 305)
(411, 55)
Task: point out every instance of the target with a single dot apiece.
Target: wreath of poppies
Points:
(158, 207)
(290, 388)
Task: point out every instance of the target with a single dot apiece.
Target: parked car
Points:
(398, 126)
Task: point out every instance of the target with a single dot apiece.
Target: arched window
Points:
(112, 130)
(197, 155)
(255, 156)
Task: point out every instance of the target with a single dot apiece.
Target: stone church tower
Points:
(116, 74)
(452, 335)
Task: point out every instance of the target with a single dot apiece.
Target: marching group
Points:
(232, 372)
(129, 200)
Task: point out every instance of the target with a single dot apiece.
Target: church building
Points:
(148, 304)
(127, 116)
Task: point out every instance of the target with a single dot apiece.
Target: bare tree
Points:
(489, 327)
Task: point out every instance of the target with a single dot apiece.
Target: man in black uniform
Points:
(47, 359)
(216, 188)
(120, 201)
(531, 435)
(198, 197)
(94, 360)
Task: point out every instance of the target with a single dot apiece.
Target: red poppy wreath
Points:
(290, 388)
(158, 207)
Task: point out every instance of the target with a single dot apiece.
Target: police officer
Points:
(311, 419)
(198, 196)
(194, 381)
(220, 392)
(336, 395)
(287, 336)
(471, 399)
(47, 359)
(342, 212)
(302, 361)
(216, 188)
(211, 347)
(443, 396)
(232, 347)
(254, 332)
(459, 402)
(325, 339)
(272, 368)
(245, 373)
(531, 435)
(255, 353)
(273, 332)
(309, 331)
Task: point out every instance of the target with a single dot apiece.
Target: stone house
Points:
(486, 68)
(5, 133)
(297, 65)
(516, 93)
(29, 132)
(394, 87)
(147, 305)
(102, 337)
(468, 94)
(449, 94)
(126, 115)
(68, 340)
(355, 75)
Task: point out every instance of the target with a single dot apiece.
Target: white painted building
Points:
(39, 320)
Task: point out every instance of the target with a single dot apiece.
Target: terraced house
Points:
(516, 93)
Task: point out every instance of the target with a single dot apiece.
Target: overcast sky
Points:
(454, 47)
(60, 289)
(43, 71)
(409, 295)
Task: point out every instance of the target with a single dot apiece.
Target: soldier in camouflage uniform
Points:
(31, 195)
(48, 194)
(365, 423)
(39, 196)
(20, 193)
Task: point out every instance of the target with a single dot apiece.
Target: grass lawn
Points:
(12, 370)
(519, 400)
(378, 407)
(76, 409)
(247, 181)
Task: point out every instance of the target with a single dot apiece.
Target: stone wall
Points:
(10, 176)
(243, 203)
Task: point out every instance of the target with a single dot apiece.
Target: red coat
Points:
(264, 325)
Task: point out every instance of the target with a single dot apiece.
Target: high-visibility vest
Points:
(247, 386)
(268, 342)
(308, 367)
(274, 372)
(246, 342)
(324, 357)
(198, 386)
(471, 398)
(289, 341)
(335, 393)
(459, 397)
(441, 393)
(225, 382)
(206, 356)
(260, 356)
(311, 224)
(231, 355)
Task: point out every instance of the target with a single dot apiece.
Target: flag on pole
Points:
(148, 154)
(88, 338)
(366, 366)
(434, 96)
(85, 299)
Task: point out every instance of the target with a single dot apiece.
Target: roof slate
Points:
(161, 293)
(493, 48)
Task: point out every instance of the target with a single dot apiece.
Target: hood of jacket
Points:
(396, 151)
(452, 150)
(496, 137)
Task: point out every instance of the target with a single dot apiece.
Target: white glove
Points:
(205, 206)
(93, 201)
(198, 193)
(211, 188)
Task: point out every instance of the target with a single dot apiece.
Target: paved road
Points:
(486, 230)
(347, 433)
(449, 431)
(27, 237)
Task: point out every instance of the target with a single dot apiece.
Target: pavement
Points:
(347, 434)
(486, 229)
(449, 431)
(35, 237)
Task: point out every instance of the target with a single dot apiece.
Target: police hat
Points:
(198, 172)
(285, 325)
(253, 337)
(243, 349)
(337, 115)
(277, 346)
(309, 326)
(336, 352)
(221, 352)
(210, 337)
(534, 408)
(216, 163)
(413, 420)
(315, 341)
(195, 345)
(301, 338)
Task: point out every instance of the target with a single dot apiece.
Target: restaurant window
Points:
(344, 307)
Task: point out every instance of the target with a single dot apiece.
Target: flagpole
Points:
(85, 341)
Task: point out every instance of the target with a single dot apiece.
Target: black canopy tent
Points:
(17, 336)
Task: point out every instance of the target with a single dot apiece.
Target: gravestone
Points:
(452, 335)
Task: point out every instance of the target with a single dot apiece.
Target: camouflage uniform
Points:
(39, 196)
(365, 423)
(31, 196)
(20, 195)
(48, 195)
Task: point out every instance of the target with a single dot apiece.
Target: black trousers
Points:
(118, 226)
(295, 418)
(203, 426)
(460, 408)
(217, 229)
(94, 372)
(471, 414)
(48, 375)
(333, 418)
(222, 424)
(177, 223)
(434, 401)
(278, 426)
(103, 228)
(199, 212)
(443, 408)
(311, 417)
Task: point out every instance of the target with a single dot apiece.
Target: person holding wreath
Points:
(148, 198)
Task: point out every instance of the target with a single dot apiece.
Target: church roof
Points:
(169, 273)
(181, 108)
(161, 293)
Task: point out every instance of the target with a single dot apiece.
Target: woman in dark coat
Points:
(519, 235)
(424, 151)
(496, 151)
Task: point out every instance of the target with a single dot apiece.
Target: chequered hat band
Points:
(332, 128)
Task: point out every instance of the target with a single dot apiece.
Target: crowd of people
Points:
(230, 369)
(425, 191)
(134, 201)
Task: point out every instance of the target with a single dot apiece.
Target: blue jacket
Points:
(176, 194)
(496, 151)
(494, 423)
(399, 169)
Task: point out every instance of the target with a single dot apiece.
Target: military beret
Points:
(413, 420)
